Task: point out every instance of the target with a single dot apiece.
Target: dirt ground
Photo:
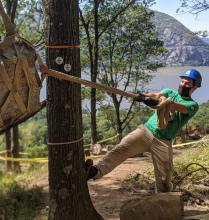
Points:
(109, 193)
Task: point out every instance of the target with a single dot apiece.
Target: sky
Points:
(192, 22)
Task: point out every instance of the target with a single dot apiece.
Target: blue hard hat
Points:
(194, 75)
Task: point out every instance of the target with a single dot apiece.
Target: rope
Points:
(66, 143)
(34, 160)
(102, 141)
(62, 46)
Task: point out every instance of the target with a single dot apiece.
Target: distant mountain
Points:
(183, 46)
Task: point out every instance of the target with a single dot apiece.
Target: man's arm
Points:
(173, 105)
(156, 95)
(178, 107)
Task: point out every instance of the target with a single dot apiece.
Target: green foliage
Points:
(140, 116)
(198, 155)
(126, 50)
(86, 126)
(105, 117)
(34, 131)
(29, 16)
(201, 118)
(37, 151)
(106, 122)
(19, 203)
(140, 180)
(86, 93)
(2, 142)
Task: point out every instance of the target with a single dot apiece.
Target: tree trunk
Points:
(15, 148)
(69, 196)
(11, 7)
(8, 149)
(94, 73)
(93, 116)
(12, 144)
(117, 114)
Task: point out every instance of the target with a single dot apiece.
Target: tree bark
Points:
(12, 144)
(94, 73)
(8, 149)
(93, 116)
(11, 7)
(69, 196)
(117, 114)
(15, 147)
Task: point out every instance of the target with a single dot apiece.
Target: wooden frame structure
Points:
(19, 80)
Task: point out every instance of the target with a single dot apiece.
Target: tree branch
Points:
(116, 16)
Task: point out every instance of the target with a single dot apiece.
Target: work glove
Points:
(149, 101)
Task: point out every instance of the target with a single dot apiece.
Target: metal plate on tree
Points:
(67, 67)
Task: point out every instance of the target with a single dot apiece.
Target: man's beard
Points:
(184, 91)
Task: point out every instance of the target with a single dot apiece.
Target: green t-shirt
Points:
(179, 119)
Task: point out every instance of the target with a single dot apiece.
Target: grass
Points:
(194, 162)
(17, 200)
(19, 203)
(195, 158)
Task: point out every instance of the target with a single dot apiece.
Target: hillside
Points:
(201, 118)
(183, 46)
(206, 40)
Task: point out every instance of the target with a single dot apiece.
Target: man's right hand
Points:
(149, 101)
(140, 97)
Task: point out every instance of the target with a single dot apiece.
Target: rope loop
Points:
(65, 143)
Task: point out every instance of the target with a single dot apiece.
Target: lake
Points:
(167, 77)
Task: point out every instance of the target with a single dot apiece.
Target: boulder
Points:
(197, 217)
(159, 206)
(104, 151)
(96, 149)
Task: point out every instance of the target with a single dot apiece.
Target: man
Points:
(150, 138)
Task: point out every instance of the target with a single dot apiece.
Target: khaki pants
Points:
(139, 141)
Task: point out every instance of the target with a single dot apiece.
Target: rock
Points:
(104, 151)
(110, 147)
(96, 149)
(159, 206)
(195, 136)
(197, 217)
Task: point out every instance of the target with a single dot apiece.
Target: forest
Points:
(44, 152)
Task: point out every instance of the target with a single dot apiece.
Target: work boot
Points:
(91, 170)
